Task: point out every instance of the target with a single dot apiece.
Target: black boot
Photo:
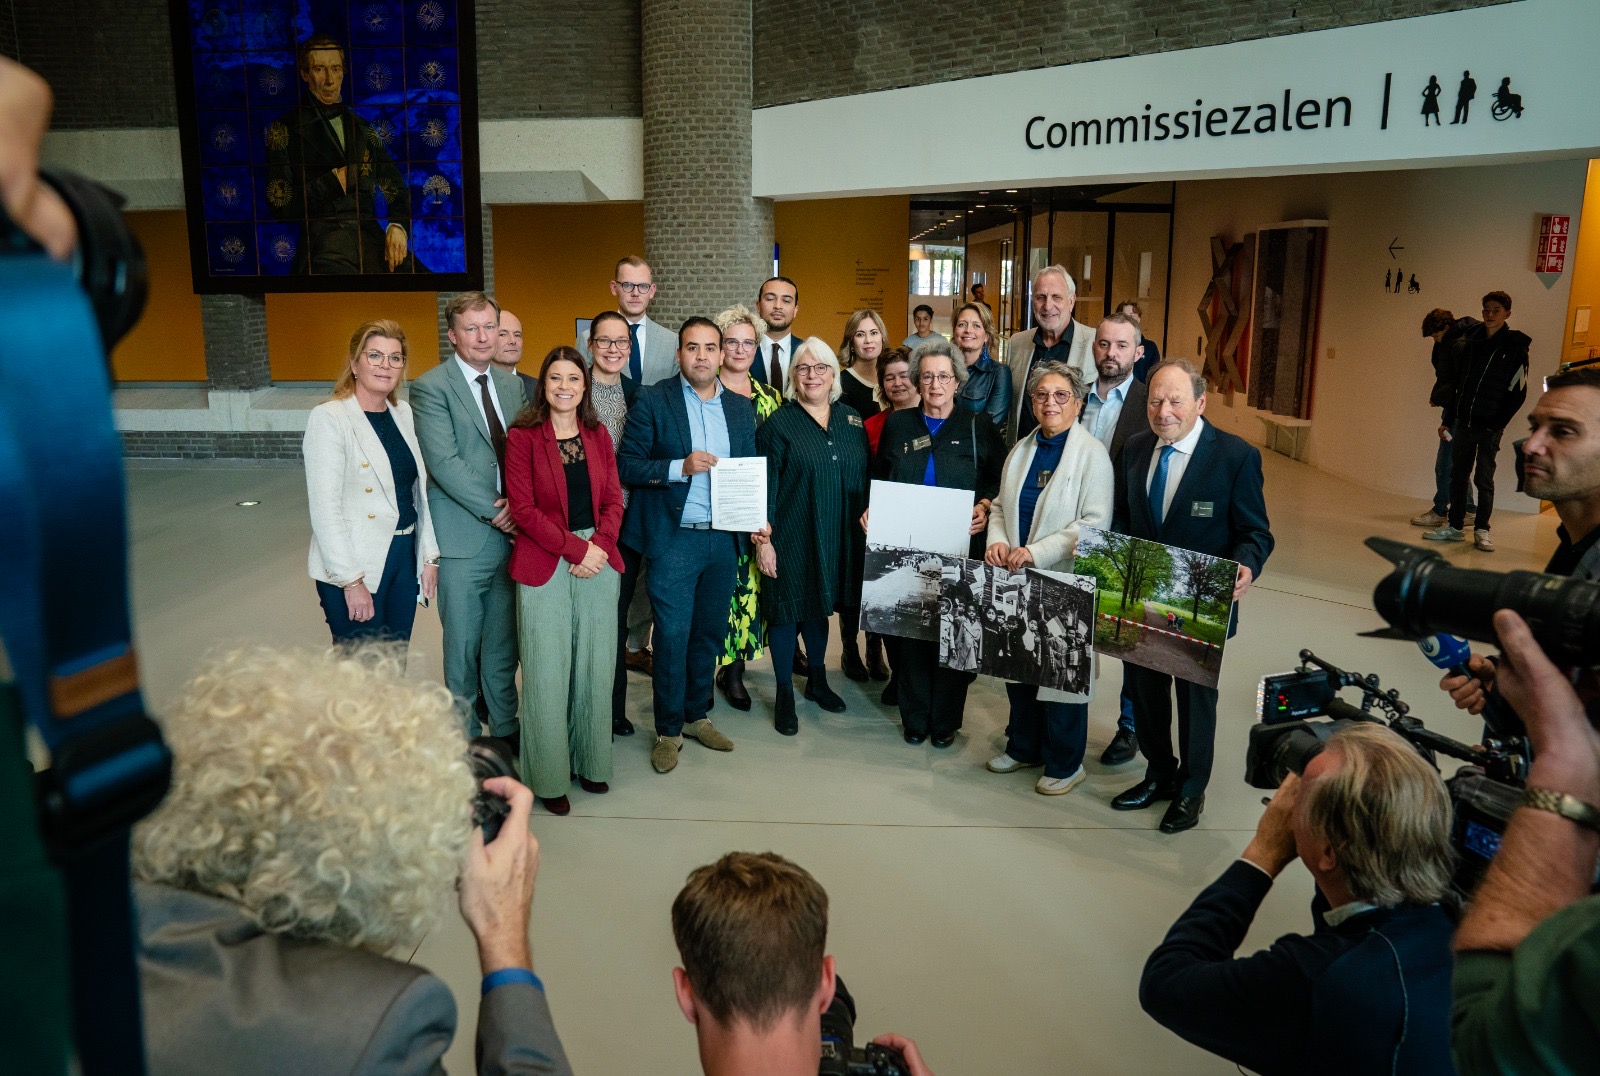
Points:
(818, 691)
(853, 666)
(877, 668)
(783, 715)
(730, 678)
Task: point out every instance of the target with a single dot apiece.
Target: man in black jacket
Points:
(1492, 384)
(1449, 334)
(1368, 991)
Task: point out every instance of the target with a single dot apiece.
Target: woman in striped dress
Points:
(747, 629)
(816, 450)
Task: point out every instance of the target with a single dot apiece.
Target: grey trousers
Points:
(478, 610)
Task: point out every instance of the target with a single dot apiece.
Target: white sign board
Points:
(1349, 99)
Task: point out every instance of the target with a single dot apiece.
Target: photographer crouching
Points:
(321, 809)
(1368, 991)
(1527, 978)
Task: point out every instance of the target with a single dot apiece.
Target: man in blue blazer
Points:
(677, 429)
(1186, 483)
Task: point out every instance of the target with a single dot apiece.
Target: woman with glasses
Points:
(563, 491)
(612, 392)
(987, 389)
(747, 629)
(864, 340)
(372, 544)
(1056, 480)
(938, 444)
(816, 450)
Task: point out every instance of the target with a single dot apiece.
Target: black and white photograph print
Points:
(1030, 627)
(900, 591)
(1160, 606)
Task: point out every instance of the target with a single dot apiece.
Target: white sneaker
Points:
(1430, 518)
(1482, 540)
(1059, 786)
(1446, 533)
(1004, 763)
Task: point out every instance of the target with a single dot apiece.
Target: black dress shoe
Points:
(1184, 813)
(818, 691)
(621, 726)
(1143, 795)
(783, 715)
(914, 737)
(944, 739)
(854, 668)
(877, 668)
(730, 680)
(802, 666)
(1123, 746)
(891, 693)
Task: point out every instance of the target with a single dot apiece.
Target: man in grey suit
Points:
(1055, 337)
(1115, 409)
(654, 355)
(463, 408)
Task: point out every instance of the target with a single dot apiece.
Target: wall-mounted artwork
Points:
(329, 145)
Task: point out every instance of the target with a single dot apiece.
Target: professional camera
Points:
(840, 1055)
(489, 757)
(1287, 736)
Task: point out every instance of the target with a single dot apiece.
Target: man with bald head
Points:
(509, 352)
(1185, 483)
(1055, 337)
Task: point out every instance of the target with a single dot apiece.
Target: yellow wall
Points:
(553, 262)
(167, 344)
(1585, 268)
(308, 335)
(845, 254)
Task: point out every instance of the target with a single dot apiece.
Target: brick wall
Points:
(181, 445)
(109, 63)
(833, 48)
(235, 328)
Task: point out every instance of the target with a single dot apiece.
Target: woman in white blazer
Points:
(1057, 479)
(372, 544)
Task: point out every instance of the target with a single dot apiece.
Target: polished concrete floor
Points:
(1003, 930)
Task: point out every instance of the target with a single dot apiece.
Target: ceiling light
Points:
(246, 504)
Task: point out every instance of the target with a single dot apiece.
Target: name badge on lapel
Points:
(1200, 509)
(855, 420)
(921, 443)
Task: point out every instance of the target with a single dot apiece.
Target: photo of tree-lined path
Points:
(1161, 607)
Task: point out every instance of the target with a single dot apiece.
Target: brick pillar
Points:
(707, 240)
(444, 297)
(235, 330)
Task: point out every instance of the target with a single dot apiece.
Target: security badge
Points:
(921, 443)
(855, 420)
(1200, 509)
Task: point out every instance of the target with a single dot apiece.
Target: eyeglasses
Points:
(611, 343)
(633, 287)
(1058, 396)
(379, 359)
(738, 345)
(807, 369)
(936, 379)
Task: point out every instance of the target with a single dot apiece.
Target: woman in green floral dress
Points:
(747, 631)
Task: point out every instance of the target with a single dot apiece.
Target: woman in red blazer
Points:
(561, 481)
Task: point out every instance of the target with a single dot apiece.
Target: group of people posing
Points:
(558, 516)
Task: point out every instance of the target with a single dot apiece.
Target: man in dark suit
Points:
(1185, 483)
(325, 167)
(1114, 411)
(777, 303)
(676, 432)
(509, 354)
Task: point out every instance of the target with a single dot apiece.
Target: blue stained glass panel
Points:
(385, 128)
(219, 80)
(280, 247)
(432, 75)
(440, 244)
(231, 249)
(436, 189)
(224, 137)
(268, 24)
(227, 193)
(433, 132)
(271, 80)
(430, 22)
(377, 22)
(377, 76)
(216, 24)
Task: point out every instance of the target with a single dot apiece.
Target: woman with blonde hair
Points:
(987, 389)
(372, 544)
(864, 340)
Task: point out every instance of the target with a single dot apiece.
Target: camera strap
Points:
(65, 625)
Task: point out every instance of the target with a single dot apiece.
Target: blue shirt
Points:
(1046, 458)
(708, 432)
(933, 429)
(1100, 416)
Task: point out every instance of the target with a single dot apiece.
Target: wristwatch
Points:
(1563, 804)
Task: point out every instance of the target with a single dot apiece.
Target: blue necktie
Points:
(1158, 484)
(635, 359)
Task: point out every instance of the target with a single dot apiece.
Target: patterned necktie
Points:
(635, 359)
(1158, 485)
(497, 432)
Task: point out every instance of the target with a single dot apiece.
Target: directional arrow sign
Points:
(1393, 248)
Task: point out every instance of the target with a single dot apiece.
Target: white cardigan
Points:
(1078, 494)
(350, 486)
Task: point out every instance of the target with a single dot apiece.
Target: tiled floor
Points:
(1005, 931)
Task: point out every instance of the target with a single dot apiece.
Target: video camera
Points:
(840, 1055)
